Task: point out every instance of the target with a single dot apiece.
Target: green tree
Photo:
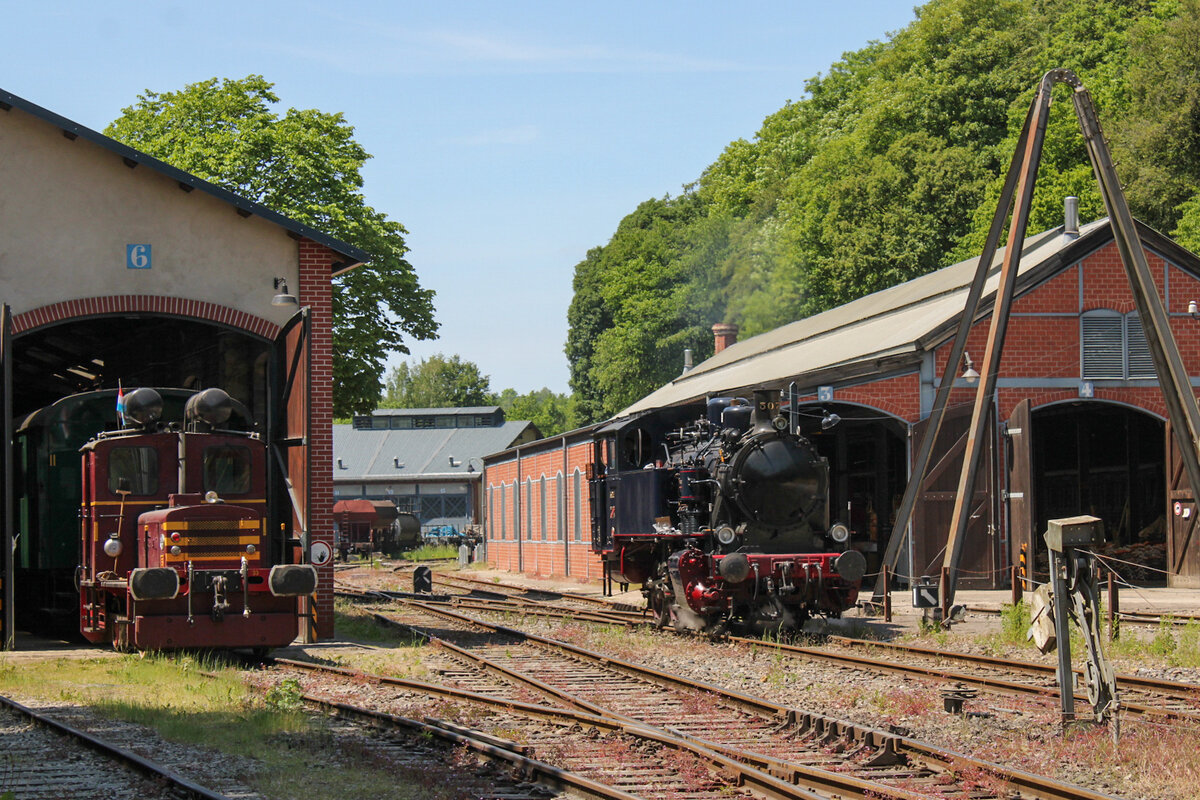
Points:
(306, 165)
(890, 167)
(1159, 142)
(549, 411)
(437, 382)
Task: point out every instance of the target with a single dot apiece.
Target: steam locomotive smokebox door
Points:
(639, 498)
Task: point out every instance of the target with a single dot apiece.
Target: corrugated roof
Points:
(889, 324)
(369, 455)
(352, 256)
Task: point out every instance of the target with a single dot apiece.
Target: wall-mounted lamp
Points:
(284, 297)
(970, 375)
(1193, 309)
(829, 420)
(470, 466)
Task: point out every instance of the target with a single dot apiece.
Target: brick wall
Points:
(316, 293)
(522, 547)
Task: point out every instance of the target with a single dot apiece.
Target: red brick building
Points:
(120, 268)
(1078, 421)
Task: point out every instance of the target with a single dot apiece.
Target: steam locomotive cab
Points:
(721, 513)
(175, 547)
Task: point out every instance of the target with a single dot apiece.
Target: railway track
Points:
(1149, 618)
(595, 756)
(45, 758)
(816, 753)
(415, 749)
(537, 595)
(1166, 700)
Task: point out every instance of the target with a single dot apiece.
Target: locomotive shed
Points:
(120, 271)
(1078, 422)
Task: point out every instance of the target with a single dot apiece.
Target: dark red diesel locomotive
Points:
(174, 549)
(721, 513)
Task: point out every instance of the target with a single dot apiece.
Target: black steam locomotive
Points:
(723, 519)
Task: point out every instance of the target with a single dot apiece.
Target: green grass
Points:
(427, 552)
(169, 694)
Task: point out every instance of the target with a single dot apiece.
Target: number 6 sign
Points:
(137, 256)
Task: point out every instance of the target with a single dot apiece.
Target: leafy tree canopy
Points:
(887, 168)
(437, 382)
(306, 165)
(452, 382)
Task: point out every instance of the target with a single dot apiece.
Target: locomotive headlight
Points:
(175, 550)
(251, 548)
(839, 533)
(726, 535)
(780, 423)
(211, 497)
(113, 548)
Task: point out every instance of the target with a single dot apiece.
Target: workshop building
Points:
(1078, 423)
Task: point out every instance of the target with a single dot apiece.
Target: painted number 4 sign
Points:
(137, 256)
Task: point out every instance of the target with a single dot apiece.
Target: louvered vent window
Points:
(1140, 364)
(1114, 346)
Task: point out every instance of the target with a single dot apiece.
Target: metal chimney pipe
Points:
(1071, 217)
(687, 360)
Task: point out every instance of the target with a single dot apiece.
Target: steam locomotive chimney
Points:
(724, 334)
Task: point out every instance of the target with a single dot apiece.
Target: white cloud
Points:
(519, 134)
(381, 48)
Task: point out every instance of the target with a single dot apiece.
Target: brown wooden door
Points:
(7, 631)
(934, 509)
(1183, 542)
(290, 437)
(1019, 495)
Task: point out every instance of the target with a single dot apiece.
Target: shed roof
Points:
(890, 327)
(424, 453)
(351, 256)
(435, 412)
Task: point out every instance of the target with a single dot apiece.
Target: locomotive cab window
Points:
(636, 449)
(133, 469)
(227, 469)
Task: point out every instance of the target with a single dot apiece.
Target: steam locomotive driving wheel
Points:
(660, 598)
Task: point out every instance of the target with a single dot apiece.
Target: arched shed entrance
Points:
(1099, 458)
(868, 456)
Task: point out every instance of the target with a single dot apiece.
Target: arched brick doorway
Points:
(1107, 460)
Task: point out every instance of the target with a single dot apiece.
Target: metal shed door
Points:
(290, 435)
(1019, 438)
(7, 633)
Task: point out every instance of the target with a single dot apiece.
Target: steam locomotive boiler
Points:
(723, 519)
(172, 547)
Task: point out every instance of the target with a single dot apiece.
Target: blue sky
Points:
(508, 137)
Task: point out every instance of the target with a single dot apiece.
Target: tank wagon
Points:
(144, 520)
(721, 513)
